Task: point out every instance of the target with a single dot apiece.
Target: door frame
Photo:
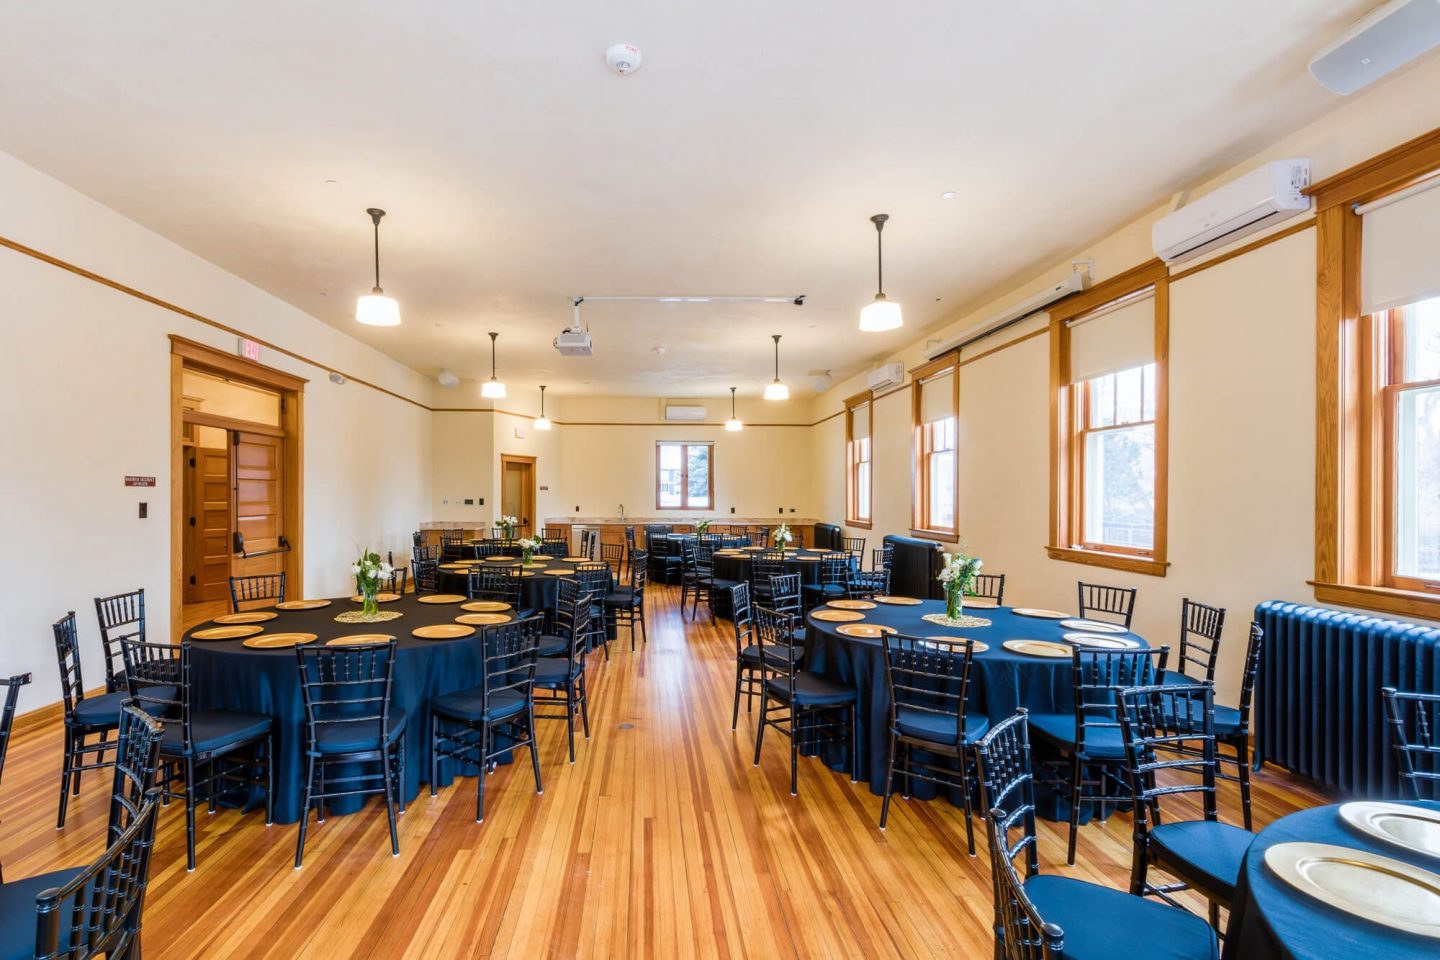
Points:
(505, 460)
(189, 355)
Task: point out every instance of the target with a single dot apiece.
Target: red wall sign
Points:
(139, 481)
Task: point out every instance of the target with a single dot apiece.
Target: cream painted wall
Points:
(85, 400)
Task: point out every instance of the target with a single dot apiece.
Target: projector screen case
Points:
(1385, 40)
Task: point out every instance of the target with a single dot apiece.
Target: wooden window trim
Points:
(864, 400)
(685, 473)
(1352, 554)
(919, 512)
(1065, 489)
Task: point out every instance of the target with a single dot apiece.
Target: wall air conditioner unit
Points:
(1074, 283)
(684, 412)
(1255, 201)
(886, 376)
(1383, 40)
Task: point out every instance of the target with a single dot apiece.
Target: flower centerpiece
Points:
(702, 525)
(507, 527)
(528, 546)
(782, 536)
(369, 572)
(958, 576)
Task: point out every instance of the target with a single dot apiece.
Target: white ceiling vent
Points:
(684, 412)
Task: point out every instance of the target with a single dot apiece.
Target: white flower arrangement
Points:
(528, 546)
(702, 525)
(961, 567)
(369, 571)
(782, 535)
(507, 527)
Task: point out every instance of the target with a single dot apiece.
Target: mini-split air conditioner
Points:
(886, 376)
(1253, 202)
(684, 412)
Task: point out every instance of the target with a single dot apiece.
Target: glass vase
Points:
(954, 600)
(526, 556)
(370, 606)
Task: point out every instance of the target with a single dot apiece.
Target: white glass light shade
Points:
(733, 425)
(542, 424)
(493, 389)
(777, 391)
(880, 315)
(378, 310)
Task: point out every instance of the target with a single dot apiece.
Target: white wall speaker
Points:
(1385, 39)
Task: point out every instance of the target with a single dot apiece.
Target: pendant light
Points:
(492, 388)
(733, 424)
(376, 309)
(880, 314)
(544, 422)
(775, 390)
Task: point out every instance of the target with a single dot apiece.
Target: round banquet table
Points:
(1271, 920)
(537, 586)
(735, 564)
(227, 675)
(1000, 681)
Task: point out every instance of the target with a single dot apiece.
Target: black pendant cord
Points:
(732, 402)
(493, 337)
(375, 216)
(542, 393)
(879, 221)
(777, 356)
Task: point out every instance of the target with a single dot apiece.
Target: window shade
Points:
(1115, 337)
(1400, 252)
(937, 398)
(860, 422)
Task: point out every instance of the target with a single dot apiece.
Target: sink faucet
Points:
(622, 511)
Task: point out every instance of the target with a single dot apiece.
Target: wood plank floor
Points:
(661, 841)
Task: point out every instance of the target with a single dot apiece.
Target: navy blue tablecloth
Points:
(226, 675)
(1000, 680)
(1271, 920)
(537, 591)
(736, 565)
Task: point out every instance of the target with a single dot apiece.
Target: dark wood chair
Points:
(426, 575)
(765, 566)
(395, 583)
(834, 581)
(988, 587)
(119, 617)
(597, 581)
(1201, 626)
(12, 687)
(264, 589)
(1112, 603)
(625, 607)
(1414, 721)
(559, 681)
(493, 582)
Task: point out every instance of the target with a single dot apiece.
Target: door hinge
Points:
(192, 521)
(192, 461)
(192, 580)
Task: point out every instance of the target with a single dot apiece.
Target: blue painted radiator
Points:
(1318, 704)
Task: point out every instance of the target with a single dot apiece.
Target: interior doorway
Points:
(517, 491)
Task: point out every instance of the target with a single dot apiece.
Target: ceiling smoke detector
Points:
(623, 58)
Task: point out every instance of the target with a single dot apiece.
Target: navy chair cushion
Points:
(17, 911)
(824, 589)
(751, 654)
(1059, 728)
(555, 671)
(1213, 852)
(553, 646)
(104, 710)
(620, 599)
(1227, 721)
(356, 736)
(939, 727)
(212, 730)
(469, 705)
(1105, 924)
(811, 690)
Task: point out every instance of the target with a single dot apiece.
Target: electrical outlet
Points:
(732, 509)
(469, 502)
(144, 509)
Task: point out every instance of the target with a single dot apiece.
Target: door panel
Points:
(258, 508)
(517, 492)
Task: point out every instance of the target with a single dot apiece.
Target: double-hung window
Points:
(684, 476)
(858, 458)
(935, 412)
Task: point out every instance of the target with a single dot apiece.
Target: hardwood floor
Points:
(662, 840)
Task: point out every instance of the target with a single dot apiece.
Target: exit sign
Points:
(248, 349)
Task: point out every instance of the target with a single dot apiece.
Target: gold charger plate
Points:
(443, 631)
(249, 616)
(1097, 641)
(981, 603)
(356, 639)
(559, 571)
(1387, 892)
(807, 557)
(851, 605)
(1041, 614)
(838, 616)
(302, 604)
(443, 598)
(272, 641)
(979, 646)
(485, 606)
(533, 566)
(575, 559)
(226, 633)
(379, 598)
(454, 566)
(1412, 828)
(864, 630)
(898, 601)
(500, 559)
(481, 619)
(1038, 648)
(753, 549)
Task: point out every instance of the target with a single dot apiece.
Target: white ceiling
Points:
(744, 157)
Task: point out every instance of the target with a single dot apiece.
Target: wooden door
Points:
(517, 491)
(258, 466)
(207, 542)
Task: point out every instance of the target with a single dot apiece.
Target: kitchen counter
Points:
(678, 519)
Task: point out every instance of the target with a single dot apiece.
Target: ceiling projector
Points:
(574, 343)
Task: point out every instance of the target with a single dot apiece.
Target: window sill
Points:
(1114, 561)
(943, 536)
(859, 524)
(1410, 603)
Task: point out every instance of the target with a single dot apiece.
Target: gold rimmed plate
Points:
(979, 646)
(302, 604)
(898, 601)
(851, 605)
(1386, 892)
(560, 571)
(443, 631)
(482, 619)
(455, 566)
(1039, 648)
(501, 559)
(1097, 641)
(226, 633)
(865, 631)
(838, 616)
(443, 598)
(1091, 626)
(1412, 828)
(536, 565)
(358, 639)
(806, 556)
(575, 559)
(248, 616)
(1041, 614)
(981, 603)
(379, 598)
(485, 606)
(276, 641)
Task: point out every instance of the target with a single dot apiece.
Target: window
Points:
(1108, 362)
(1377, 451)
(935, 406)
(684, 476)
(858, 425)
